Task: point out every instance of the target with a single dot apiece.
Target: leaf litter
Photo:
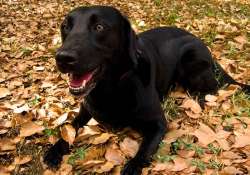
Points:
(36, 108)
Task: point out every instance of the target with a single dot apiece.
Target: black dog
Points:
(124, 77)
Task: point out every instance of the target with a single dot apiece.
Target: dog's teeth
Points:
(84, 83)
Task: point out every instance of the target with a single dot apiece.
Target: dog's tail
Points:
(223, 78)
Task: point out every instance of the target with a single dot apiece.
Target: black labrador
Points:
(125, 76)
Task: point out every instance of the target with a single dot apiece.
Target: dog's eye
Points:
(99, 28)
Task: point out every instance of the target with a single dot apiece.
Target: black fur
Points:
(136, 72)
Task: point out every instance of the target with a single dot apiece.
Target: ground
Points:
(36, 108)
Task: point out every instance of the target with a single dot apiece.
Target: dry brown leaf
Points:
(6, 170)
(180, 164)
(129, 147)
(230, 170)
(224, 94)
(30, 128)
(242, 139)
(206, 135)
(22, 159)
(86, 132)
(192, 105)
(163, 166)
(173, 135)
(7, 144)
(104, 137)
(24, 108)
(230, 155)
(186, 153)
(60, 120)
(68, 133)
(91, 163)
(5, 123)
(210, 98)
(4, 92)
(242, 39)
(108, 166)
(115, 156)
(65, 169)
(192, 114)
(48, 172)
(92, 122)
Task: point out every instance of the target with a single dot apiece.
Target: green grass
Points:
(26, 51)
(34, 101)
(172, 17)
(164, 158)
(79, 153)
(214, 164)
(157, 2)
(213, 149)
(171, 109)
(181, 144)
(209, 37)
(51, 132)
(199, 164)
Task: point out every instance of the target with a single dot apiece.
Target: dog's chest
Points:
(115, 107)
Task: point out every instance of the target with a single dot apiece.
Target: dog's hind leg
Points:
(54, 155)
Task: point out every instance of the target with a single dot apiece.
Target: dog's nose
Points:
(65, 57)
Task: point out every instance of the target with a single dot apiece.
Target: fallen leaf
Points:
(24, 108)
(4, 92)
(115, 156)
(108, 166)
(68, 133)
(65, 169)
(191, 104)
(129, 147)
(38, 68)
(242, 139)
(186, 153)
(22, 159)
(30, 128)
(192, 114)
(91, 163)
(230, 170)
(173, 135)
(92, 122)
(86, 132)
(242, 39)
(7, 144)
(180, 164)
(206, 135)
(104, 137)
(5, 123)
(163, 166)
(60, 120)
(210, 98)
(224, 94)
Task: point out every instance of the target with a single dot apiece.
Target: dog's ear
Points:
(130, 39)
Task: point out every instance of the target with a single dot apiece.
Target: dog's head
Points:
(94, 39)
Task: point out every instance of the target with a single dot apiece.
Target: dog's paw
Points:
(52, 158)
(132, 168)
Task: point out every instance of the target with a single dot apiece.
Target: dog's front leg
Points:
(153, 132)
(54, 155)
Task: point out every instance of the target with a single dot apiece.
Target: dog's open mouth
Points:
(82, 84)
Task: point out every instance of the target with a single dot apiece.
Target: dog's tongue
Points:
(78, 81)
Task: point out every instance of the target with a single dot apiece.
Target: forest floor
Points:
(36, 108)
